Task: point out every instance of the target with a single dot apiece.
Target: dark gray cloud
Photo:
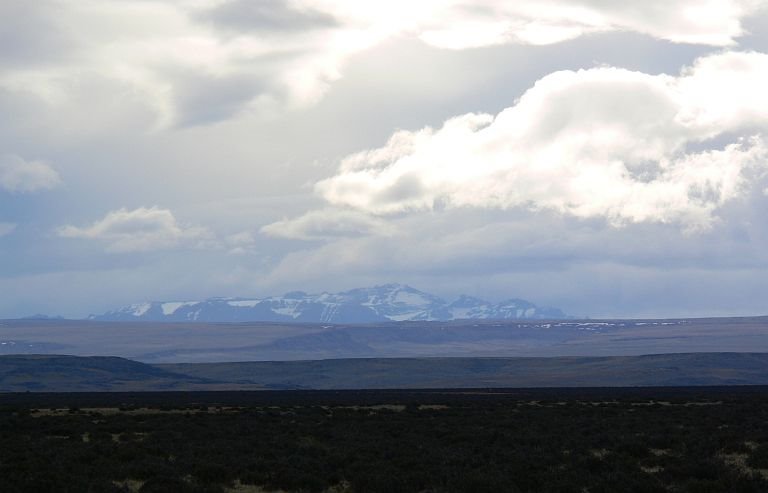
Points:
(201, 99)
(266, 15)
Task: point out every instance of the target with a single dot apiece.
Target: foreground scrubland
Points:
(553, 440)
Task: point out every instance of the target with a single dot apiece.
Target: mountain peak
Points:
(466, 301)
(295, 295)
(390, 287)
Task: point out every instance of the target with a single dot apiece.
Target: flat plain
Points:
(207, 343)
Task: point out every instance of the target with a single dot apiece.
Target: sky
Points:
(607, 158)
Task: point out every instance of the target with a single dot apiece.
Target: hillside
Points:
(56, 373)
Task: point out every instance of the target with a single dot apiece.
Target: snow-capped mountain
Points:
(389, 302)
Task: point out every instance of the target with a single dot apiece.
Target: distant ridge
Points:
(388, 302)
(56, 373)
(681, 369)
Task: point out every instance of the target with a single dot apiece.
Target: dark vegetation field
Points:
(534, 440)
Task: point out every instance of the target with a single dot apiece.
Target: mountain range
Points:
(388, 302)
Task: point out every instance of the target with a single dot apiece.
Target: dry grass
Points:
(660, 452)
(108, 411)
(238, 487)
(739, 461)
(600, 453)
(380, 407)
(132, 485)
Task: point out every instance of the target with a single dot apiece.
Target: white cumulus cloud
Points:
(20, 175)
(603, 142)
(142, 229)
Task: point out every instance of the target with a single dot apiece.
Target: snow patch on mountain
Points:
(139, 309)
(170, 308)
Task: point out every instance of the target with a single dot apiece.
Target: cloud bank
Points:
(194, 63)
(605, 142)
(139, 230)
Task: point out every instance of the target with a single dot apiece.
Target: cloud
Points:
(31, 36)
(328, 224)
(141, 229)
(267, 15)
(19, 175)
(604, 142)
(182, 60)
(471, 24)
(240, 243)
(194, 63)
(7, 228)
